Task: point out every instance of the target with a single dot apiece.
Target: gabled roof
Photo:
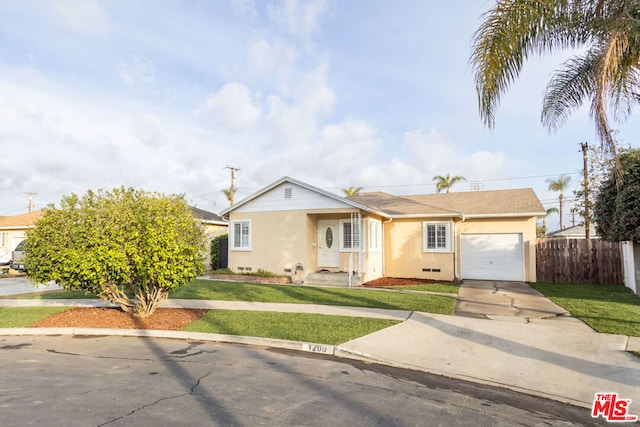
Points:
(575, 232)
(207, 217)
(285, 179)
(396, 206)
(479, 204)
(518, 202)
(20, 221)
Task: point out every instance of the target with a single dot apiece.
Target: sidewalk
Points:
(503, 334)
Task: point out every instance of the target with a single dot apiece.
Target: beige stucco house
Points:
(13, 229)
(484, 235)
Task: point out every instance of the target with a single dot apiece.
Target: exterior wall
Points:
(280, 239)
(526, 226)
(10, 237)
(278, 242)
(405, 256)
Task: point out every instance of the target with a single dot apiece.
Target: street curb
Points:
(182, 335)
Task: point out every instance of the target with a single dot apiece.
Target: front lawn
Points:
(313, 328)
(352, 297)
(606, 308)
(23, 317)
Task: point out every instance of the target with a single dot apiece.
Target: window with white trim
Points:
(436, 236)
(241, 239)
(375, 235)
(4, 239)
(350, 239)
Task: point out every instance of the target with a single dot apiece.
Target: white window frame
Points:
(241, 247)
(447, 235)
(343, 248)
(375, 235)
(4, 239)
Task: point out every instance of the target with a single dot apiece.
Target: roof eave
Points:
(284, 179)
(505, 215)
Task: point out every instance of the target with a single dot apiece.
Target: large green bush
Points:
(127, 246)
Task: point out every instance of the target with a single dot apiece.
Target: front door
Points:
(328, 254)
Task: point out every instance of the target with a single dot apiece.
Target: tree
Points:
(446, 182)
(541, 232)
(559, 184)
(228, 193)
(617, 208)
(606, 73)
(599, 166)
(352, 191)
(126, 246)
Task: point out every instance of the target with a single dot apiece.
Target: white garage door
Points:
(492, 256)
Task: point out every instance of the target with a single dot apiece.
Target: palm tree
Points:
(229, 194)
(607, 73)
(352, 191)
(542, 232)
(559, 184)
(446, 182)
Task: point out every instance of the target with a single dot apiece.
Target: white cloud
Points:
(86, 17)
(234, 107)
(300, 18)
(266, 58)
(139, 73)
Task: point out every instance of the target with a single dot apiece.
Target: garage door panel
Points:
(492, 256)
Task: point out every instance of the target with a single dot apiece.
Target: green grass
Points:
(234, 291)
(313, 328)
(606, 308)
(23, 317)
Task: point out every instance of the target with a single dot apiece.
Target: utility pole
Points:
(31, 205)
(585, 148)
(232, 188)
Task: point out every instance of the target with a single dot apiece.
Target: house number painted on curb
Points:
(317, 348)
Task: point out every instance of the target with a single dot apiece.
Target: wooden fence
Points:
(579, 261)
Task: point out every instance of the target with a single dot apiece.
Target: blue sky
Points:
(163, 95)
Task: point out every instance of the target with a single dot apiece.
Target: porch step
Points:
(331, 279)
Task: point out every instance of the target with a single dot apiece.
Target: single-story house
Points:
(484, 235)
(214, 226)
(574, 232)
(13, 229)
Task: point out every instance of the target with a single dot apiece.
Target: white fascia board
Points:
(303, 185)
(506, 215)
(417, 216)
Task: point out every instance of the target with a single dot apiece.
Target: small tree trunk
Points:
(143, 305)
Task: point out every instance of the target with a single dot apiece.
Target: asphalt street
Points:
(119, 381)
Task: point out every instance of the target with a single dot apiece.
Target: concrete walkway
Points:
(503, 334)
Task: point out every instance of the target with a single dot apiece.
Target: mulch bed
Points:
(167, 319)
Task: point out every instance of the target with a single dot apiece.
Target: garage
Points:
(492, 256)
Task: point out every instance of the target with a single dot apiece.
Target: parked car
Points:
(5, 258)
(17, 257)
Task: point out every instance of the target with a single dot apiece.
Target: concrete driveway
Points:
(511, 301)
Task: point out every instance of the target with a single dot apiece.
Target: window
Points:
(241, 235)
(375, 235)
(435, 236)
(4, 239)
(349, 235)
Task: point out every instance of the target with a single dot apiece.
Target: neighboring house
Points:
(575, 232)
(485, 235)
(214, 226)
(13, 229)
